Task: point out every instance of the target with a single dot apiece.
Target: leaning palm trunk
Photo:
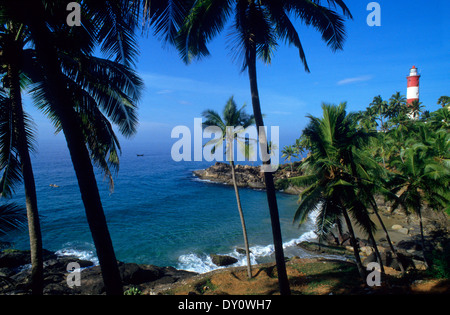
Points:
(377, 252)
(241, 215)
(34, 228)
(424, 250)
(394, 252)
(361, 270)
(268, 178)
(87, 183)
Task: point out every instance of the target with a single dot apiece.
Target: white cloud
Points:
(165, 84)
(355, 79)
(166, 91)
(278, 112)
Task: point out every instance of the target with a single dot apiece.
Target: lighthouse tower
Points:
(412, 93)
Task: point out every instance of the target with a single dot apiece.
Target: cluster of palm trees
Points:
(379, 151)
(83, 95)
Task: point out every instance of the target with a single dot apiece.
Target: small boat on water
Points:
(139, 154)
(54, 185)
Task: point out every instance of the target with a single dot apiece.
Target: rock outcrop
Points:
(15, 275)
(251, 176)
(223, 260)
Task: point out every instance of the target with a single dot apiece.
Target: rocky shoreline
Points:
(15, 274)
(149, 279)
(251, 176)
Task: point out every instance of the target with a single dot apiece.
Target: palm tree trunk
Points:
(361, 269)
(34, 228)
(268, 178)
(424, 250)
(47, 56)
(377, 252)
(241, 215)
(394, 252)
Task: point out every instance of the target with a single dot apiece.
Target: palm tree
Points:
(16, 137)
(418, 179)
(440, 119)
(288, 153)
(334, 186)
(396, 106)
(415, 108)
(444, 101)
(378, 108)
(105, 23)
(229, 126)
(257, 27)
(299, 147)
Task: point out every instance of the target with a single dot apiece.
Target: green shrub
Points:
(133, 291)
(440, 267)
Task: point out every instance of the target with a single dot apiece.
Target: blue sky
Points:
(375, 61)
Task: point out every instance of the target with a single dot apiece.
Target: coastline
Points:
(150, 279)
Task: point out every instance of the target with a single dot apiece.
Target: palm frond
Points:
(285, 29)
(204, 21)
(116, 24)
(165, 17)
(9, 161)
(12, 218)
(310, 200)
(329, 23)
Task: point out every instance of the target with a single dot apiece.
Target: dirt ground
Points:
(306, 277)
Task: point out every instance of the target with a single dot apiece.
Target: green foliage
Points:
(233, 124)
(382, 150)
(12, 217)
(259, 25)
(132, 291)
(204, 285)
(332, 169)
(440, 267)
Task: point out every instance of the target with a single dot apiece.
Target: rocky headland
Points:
(251, 176)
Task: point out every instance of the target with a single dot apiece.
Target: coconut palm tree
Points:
(415, 108)
(440, 119)
(288, 153)
(332, 182)
(420, 178)
(105, 24)
(16, 142)
(378, 108)
(233, 122)
(444, 101)
(396, 106)
(257, 25)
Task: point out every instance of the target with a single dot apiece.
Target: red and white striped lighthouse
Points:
(412, 92)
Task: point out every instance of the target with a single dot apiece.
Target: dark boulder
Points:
(223, 260)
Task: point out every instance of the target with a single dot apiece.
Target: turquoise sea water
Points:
(159, 213)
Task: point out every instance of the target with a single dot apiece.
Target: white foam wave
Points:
(83, 251)
(202, 263)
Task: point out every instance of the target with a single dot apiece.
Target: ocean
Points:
(158, 213)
